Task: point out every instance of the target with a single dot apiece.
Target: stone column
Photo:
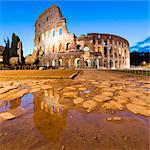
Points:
(113, 59)
(117, 59)
(72, 62)
(82, 62)
(97, 63)
(63, 63)
(121, 59)
(102, 52)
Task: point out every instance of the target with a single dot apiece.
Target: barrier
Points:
(143, 72)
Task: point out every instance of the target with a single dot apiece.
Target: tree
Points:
(13, 50)
(6, 52)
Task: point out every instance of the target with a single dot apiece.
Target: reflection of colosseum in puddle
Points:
(56, 47)
(49, 118)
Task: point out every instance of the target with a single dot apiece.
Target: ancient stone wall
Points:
(58, 48)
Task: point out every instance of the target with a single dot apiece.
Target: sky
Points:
(125, 18)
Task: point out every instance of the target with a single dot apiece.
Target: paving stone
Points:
(138, 101)
(107, 94)
(82, 89)
(2, 96)
(35, 90)
(120, 99)
(137, 109)
(101, 98)
(113, 105)
(3, 90)
(78, 100)
(46, 87)
(89, 105)
(7, 116)
(109, 89)
(16, 95)
(70, 94)
(69, 88)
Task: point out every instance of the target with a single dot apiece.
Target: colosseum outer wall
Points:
(58, 48)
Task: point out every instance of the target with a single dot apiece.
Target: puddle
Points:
(147, 89)
(87, 91)
(26, 102)
(71, 128)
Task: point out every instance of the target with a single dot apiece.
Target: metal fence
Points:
(143, 72)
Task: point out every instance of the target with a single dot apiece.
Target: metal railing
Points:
(143, 72)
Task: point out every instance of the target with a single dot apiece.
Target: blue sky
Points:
(129, 19)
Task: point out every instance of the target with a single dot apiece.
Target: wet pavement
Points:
(95, 111)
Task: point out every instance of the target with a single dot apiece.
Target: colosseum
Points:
(56, 47)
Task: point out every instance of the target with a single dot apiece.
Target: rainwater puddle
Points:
(147, 89)
(87, 91)
(26, 102)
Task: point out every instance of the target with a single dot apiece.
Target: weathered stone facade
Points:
(58, 48)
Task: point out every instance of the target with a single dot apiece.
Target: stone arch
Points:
(89, 45)
(60, 31)
(95, 63)
(110, 50)
(105, 51)
(87, 62)
(77, 62)
(86, 48)
(67, 46)
(59, 62)
(78, 47)
(53, 49)
(100, 49)
(119, 64)
(60, 47)
(111, 64)
(105, 63)
(100, 61)
(116, 63)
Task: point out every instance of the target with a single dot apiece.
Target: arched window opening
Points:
(47, 18)
(60, 31)
(105, 42)
(53, 33)
(99, 36)
(86, 49)
(111, 64)
(79, 47)
(110, 50)
(99, 49)
(67, 46)
(77, 62)
(39, 39)
(60, 47)
(105, 51)
(53, 49)
(94, 41)
(60, 62)
(99, 41)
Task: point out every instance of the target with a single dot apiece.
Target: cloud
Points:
(142, 46)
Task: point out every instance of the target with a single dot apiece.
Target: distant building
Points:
(59, 48)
